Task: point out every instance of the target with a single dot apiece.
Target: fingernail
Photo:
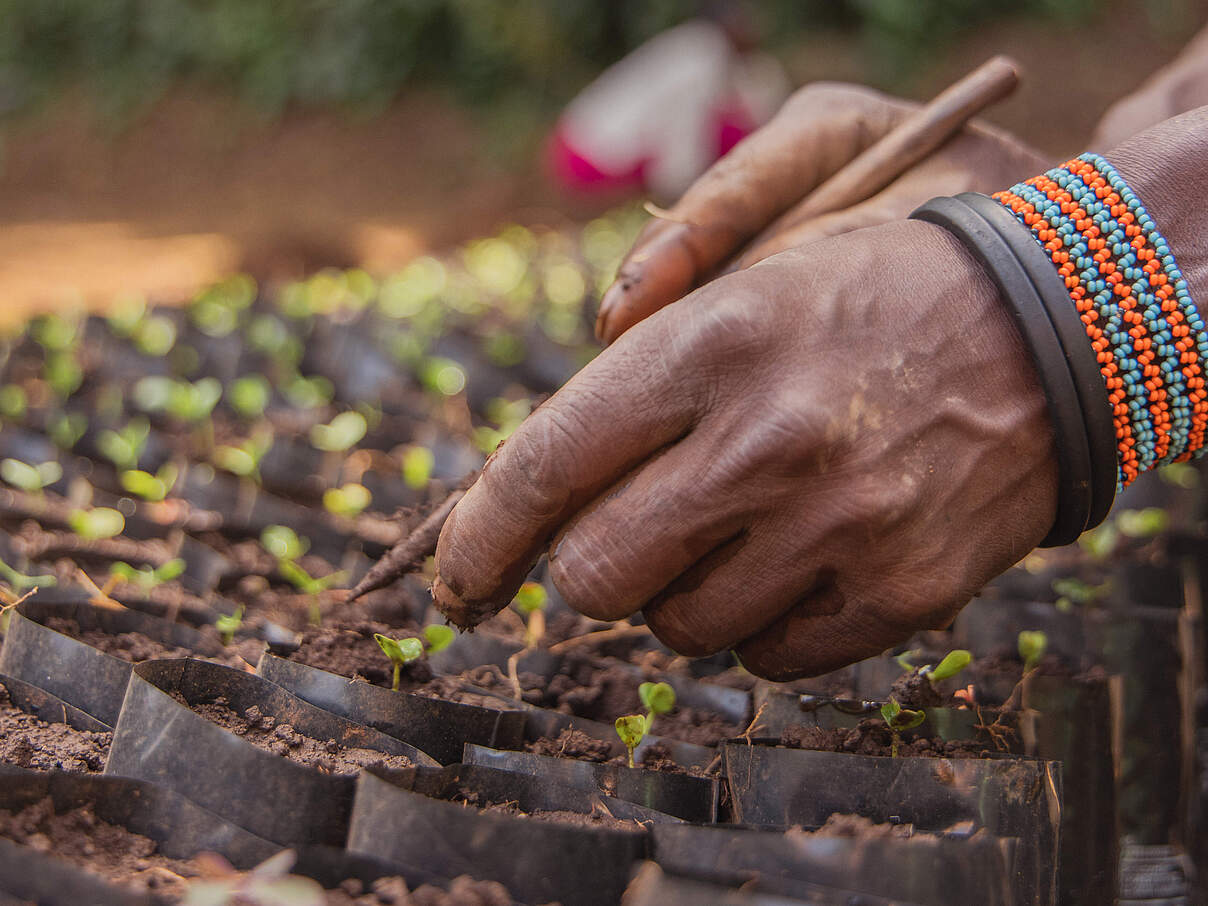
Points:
(608, 303)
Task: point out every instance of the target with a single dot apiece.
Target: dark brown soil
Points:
(27, 742)
(263, 731)
(134, 647)
(350, 650)
(79, 837)
(463, 891)
(872, 737)
(597, 820)
(578, 745)
(914, 691)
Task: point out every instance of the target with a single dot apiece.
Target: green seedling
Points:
(62, 373)
(154, 336)
(657, 698)
(67, 428)
(151, 488)
(1071, 591)
(145, 578)
(308, 392)
(30, 479)
(244, 459)
(438, 637)
(249, 396)
(531, 600)
(443, 377)
(341, 434)
(19, 582)
(286, 547)
(55, 333)
(1032, 647)
(952, 664)
(13, 401)
(228, 624)
(97, 524)
(187, 402)
(124, 447)
(898, 719)
(417, 467)
(1145, 523)
(401, 653)
(348, 501)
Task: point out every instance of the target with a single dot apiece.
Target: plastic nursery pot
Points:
(44, 706)
(179, 828)
(483, 785)
(159, 739)
(538, 861)
(651, 886)
(681, 795)
(76, 672)
(1008, 797)
(948, 870)
(781, 710)
(440, 728)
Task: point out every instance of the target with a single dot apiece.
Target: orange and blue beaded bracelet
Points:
(1121, 275)
(1122, 367)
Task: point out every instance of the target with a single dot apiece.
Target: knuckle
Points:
(684, 627)
(584, 583)
(831, 97)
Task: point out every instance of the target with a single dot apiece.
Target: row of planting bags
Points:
(997, 824)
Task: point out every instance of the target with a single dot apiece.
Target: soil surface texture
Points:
(872, 737)
(576, 744)
(27, 742)
(282, 739)
(134, 647)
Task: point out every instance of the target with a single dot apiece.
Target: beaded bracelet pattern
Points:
(1146, 331)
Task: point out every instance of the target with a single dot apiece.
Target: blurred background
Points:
(150, 147)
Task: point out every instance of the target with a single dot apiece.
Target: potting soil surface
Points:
(872, 737)
(577, 745)
(133, 647)
(27, 742)
(263, 731)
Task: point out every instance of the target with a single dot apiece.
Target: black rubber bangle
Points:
(1017, 291)
(1079, 354)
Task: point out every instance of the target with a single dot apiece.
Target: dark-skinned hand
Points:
(804, 461)
(720, 222)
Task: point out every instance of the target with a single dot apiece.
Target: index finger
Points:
(819, 130)
(605, 422)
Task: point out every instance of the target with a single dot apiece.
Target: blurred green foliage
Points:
(274, 53)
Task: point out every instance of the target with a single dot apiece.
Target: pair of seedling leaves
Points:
(656, 698)
(408, 650)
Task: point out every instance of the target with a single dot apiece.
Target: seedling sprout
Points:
(19, 582)
(151, 488)
(657, 698)
(228, 624)
(1032, 646)
(286, 547)
(97, 524)
(348, 501)
(341, 434)
(898, 719)
(401, 653)
(66, 428)
(13, 401)
(244, 459)
(249, 396)
(953, 663)
(30, 479)
(438, 637)
(417, 467)
(124, 447)
(530, 600)
(145, 578)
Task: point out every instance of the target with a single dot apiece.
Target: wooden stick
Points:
(913, 139)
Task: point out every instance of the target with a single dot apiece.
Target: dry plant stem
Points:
(754, 725)
(917, 137)
(620, 631)
(409, 554)
(100, 596)
(8, 602)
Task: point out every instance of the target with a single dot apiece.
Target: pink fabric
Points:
(733, 123)
(575, 172)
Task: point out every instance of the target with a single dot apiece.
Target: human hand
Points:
(721, 222)
(805, 461)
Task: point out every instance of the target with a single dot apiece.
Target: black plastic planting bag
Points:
(440, 728)
(682, 795)
(159, 739)
(1009, 797)
(76, 672)
(936, 870)
(538, 861)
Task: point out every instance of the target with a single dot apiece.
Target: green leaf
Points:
(98, 523)
(249, 396)
(658, 698)
(1145, 523)
(235, 460)
(531, 597)
(21, 582)
(1032, 646)
(63, 373)
(155, 335)
(350, 500)
(632, 730)
(13, 402)
(952, 664)
(401, 651)
(899, 718)
(67, 428)
(417, 467)
(31, 479)
(170, 570)
(283, 543)
(228, 624)
(145, 485)
(340, 434)
(438, 637)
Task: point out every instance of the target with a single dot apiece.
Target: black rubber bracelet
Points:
(1017, 291)
(1079, 354)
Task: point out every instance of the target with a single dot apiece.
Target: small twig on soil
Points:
(620, 631)
(513, 674)
(10, 602)
(753, 725)
(409, 554)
